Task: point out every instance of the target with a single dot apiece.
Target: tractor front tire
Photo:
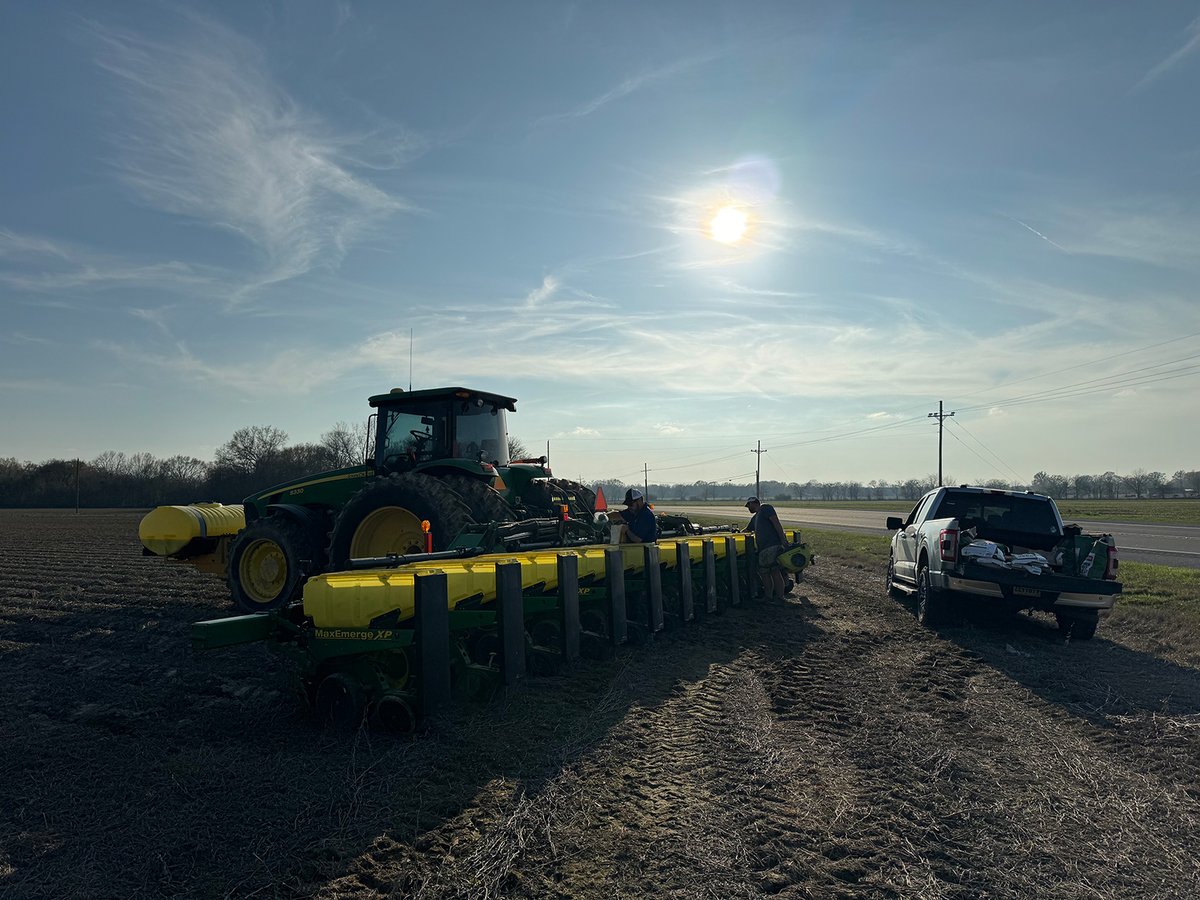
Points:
(267, 563)
(485, 502)
(385, 518)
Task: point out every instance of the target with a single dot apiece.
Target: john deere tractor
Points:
(438, 467)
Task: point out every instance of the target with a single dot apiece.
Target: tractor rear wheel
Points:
(485, 502)
(385, 518)
(266, 563)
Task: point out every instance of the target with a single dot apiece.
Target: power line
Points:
(1102, 383)
(757, 466)
(1104, 359)
(941, 417)
(971, 450)
(958, 424)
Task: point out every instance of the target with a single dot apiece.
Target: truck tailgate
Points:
(1046, 583)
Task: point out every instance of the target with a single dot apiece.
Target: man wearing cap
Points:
(638, 525)
(770, 540)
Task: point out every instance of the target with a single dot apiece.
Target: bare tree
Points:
(251, 447)
(1138, 481)
(346, 446)
(1156, 484)
(517, 448)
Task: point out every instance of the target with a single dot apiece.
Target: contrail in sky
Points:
(1039, 234)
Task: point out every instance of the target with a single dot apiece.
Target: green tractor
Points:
(438, 465)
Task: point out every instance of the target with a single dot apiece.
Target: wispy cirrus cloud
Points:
(542, 292)
(1189, 46)
(1156, 231)
(295, 370)
(209, 135)
(630, 85)
(20, 337)
(37, 264)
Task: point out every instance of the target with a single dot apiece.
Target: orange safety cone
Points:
(601, 503)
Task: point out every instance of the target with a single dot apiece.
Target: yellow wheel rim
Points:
(263, 571)
(389, 529)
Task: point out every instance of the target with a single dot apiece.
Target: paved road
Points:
(1165, 545)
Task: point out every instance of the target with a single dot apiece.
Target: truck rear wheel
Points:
(931, 602)
(890, 579)
(485, 502)
(385, 518)
(1080, 626)
(266, 563)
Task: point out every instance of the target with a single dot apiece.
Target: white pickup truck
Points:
(1004, 548)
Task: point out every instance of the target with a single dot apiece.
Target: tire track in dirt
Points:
(826, 747)
(844, 751)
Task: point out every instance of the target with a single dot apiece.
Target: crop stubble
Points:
(827, 746)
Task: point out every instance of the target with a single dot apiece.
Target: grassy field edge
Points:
(1159, 606)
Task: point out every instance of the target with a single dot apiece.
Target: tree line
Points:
(259, 456)
(254, 458)
(1138, 484)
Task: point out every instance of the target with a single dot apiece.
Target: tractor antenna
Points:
(410, 345)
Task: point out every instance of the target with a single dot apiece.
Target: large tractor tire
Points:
(269, 562)
(385, 518)
(485, 502)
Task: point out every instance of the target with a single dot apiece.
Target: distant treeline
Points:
(254, 458)
(259, 456)
(1107, 486)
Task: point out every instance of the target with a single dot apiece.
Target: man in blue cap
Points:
(770, 539)
(638, 525)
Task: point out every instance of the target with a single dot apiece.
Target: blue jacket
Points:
(642, 523)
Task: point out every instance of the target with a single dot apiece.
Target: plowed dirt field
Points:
(823, 747)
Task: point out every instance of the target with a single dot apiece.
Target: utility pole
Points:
(646, 481)
(757, 466)
(77, 485)
(941, 417)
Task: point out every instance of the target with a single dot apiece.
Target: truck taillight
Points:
(948, 544)
(1110, 568)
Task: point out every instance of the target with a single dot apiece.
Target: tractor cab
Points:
(453, 427)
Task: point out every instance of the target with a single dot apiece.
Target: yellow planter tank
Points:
(199, 533)
(354, 599)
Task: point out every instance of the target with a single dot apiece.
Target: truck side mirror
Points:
(894, 523)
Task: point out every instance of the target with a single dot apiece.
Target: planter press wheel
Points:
(340, 702)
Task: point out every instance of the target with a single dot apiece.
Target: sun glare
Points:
(728, 225)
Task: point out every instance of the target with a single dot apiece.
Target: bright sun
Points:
(728, 225)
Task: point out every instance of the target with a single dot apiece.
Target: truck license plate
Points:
(1027, 592)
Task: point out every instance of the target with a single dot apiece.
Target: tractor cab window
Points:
(481, 433)
(414, 435)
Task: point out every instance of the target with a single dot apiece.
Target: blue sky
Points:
(215, 215)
